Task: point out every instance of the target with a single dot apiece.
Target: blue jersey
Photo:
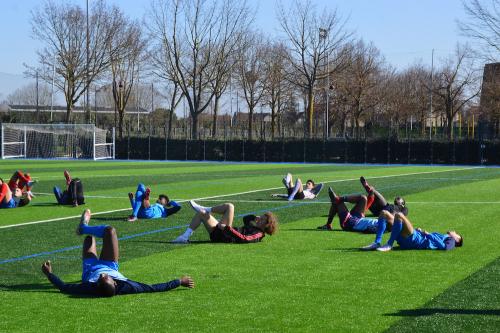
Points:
(421, 241)
(157, 211)
(11, 204)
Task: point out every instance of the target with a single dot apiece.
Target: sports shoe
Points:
(131, 195)
(180, 240)
(327, 227)
(31, 183)
(287, 180)
(196, 207)
(316, 189)
(132, 218)
(84, 220)
(385, 248)
(67, 176)
(333, 196)
(365, 184)
(373, 246)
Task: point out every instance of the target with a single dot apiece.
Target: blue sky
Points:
(404, 30)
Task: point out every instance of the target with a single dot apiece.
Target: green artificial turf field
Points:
(300, 280)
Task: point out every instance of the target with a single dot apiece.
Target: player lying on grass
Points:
(410, 238)
(350, 220)
(142, 207)
(253, 230)
(73, 195)
(375, 202)
(100, 276)
(297, 191)
(21, 181)
(12, 199)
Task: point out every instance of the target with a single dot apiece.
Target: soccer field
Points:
(299, 280)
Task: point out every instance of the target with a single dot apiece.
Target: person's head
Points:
(309, 184)
(17, 193)
(399, 201)
(268, 223)
(459, 240)
(24, 200)
(163, 199)
(106, 286)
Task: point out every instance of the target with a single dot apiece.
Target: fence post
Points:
(149, 139)
(128, 141)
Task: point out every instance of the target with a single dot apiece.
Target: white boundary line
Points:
(239, 193)
(328, 202)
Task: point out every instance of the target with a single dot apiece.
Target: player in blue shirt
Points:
(410, 238)
(100, 276)
(142, 208)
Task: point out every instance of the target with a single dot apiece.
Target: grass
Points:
(300, 280)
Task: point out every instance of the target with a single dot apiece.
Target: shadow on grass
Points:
(29, 287)
(431, 311)
(45, 204)
(312, 229)
(110, 218)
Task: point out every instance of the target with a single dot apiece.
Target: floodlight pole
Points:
(323, 34)
(432, 79)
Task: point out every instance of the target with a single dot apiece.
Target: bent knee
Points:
(399, 216)
(110, 231)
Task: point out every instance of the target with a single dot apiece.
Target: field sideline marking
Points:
(239, 193)
(309, 202)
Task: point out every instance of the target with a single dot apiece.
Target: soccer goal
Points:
(71, 141)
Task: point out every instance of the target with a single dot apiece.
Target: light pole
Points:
(323, 35)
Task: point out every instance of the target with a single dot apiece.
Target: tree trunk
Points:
(214, 121)
(121, 113)
(194, 126)
(310, 112)
(170, 116)
(68, 113)
(250, 123)
(273, 118)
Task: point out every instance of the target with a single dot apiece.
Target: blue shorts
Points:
(11, 204)
(368, 225)
(94, 266)
(349, 219)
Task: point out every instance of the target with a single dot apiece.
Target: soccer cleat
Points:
(84, 220)
(384, 248)
(373, 246)
(180, 240)
(332, 195)
(132, 218)
(316, 189)
(67, 176)
(327, 227)
(287, 180)
(365, 184)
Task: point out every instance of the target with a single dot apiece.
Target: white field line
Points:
(239, 193)
(328, 202)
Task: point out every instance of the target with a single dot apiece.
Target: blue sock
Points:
(396, 231)
(58, 194)
(97, 231)
(381, 225)
(139, 196)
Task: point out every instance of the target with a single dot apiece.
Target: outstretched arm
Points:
(67, 288)
(174, 208)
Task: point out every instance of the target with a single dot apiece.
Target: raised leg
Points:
(89, 248)
(110, 250)
(227, 211)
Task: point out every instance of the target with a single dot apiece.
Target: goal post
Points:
(57, 141)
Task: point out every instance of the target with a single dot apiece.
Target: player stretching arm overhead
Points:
(253, 230)
(100, 275)
(410, 238)
(297, 191)
(142, 207)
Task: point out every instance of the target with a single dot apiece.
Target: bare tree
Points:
(251, 74)
(457, 85)
(27, 95)
(62, 30)
(311, 39)
(196, 37)
(126, 52)
(483, 25)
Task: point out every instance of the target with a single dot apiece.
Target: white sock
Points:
(187, 233)
(295, 190)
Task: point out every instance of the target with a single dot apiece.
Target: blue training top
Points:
(157, 211)
(421, 241)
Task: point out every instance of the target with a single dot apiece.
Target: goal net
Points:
(71, 141)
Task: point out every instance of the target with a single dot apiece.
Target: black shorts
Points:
(298, 196)
(218, 236)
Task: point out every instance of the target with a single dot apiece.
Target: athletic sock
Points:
(146, 193)
(187, 233)
(58, 194)
(294, 192)
(381, 226)
(396, 230)
(97, 231)
(369, 200)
